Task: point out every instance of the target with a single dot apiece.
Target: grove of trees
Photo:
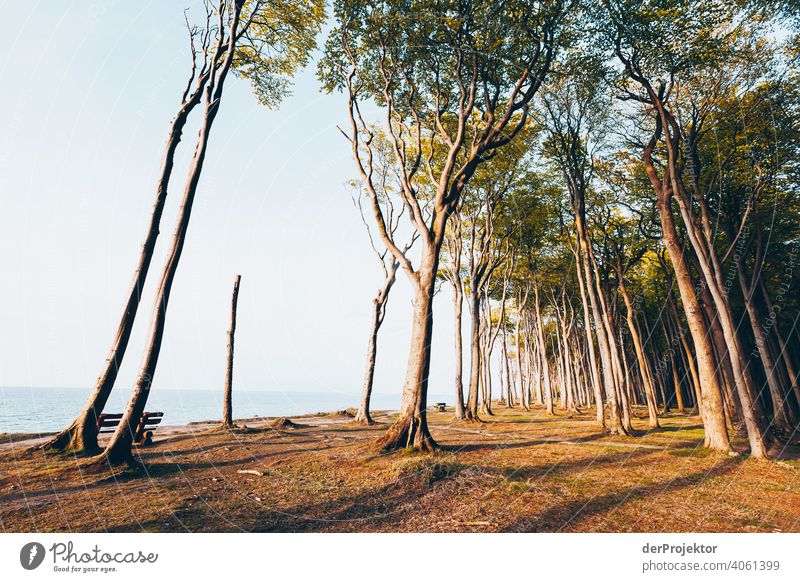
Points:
(611, 186)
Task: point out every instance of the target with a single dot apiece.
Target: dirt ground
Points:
(517, 471)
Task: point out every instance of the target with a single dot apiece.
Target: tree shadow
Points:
(471, 447)
(674, 428)
(559, 517)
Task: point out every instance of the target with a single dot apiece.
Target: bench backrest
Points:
(109, 422)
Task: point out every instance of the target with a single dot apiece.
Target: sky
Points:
(89, 88)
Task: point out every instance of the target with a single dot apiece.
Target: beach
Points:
(516, 471)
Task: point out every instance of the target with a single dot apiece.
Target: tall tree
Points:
(453, 92)
(576, 108)
(81, 435)
(248, 35)
(655, 48)
(389, 266)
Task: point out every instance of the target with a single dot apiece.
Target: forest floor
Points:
(517, 471)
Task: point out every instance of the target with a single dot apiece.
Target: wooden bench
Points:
(144, 429)
(440, 406)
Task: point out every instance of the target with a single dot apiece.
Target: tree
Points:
(655, 48)
(575, 114)
(81, 435)
(251, 34)
(389, 265)
(452, 273)
(451, 85)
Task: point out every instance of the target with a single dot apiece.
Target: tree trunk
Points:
(726, 375)
(410, 430)
(783, 348)
(227, 407)
(600, 331)
(119, 447)
(623, 407)
(693, 379)
(705, 253)
(471, 412)
(524, 394)
(677, 385)
(507, 369)
(81, 435)
(782, 416)
(594, 373)
(644, 368)
(486, 353)
(378, 313)
(544, 364)
(458, 302)
(752, 412)
(716, 435)
(363, 415)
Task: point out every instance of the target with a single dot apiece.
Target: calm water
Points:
(34, 410)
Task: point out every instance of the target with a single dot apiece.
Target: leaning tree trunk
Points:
(600, 331)
(119, 448)
(227, 406)
(677, 386)
(716, 434)
(782, 414)
(711, 273)
(732, 405)
(410, 430)
(587, 324)
(688, 360)
(81, 435)
(363, 415)
(378, 313)
(782, 347)
(644, 368)
(752, 411)
(623, 407)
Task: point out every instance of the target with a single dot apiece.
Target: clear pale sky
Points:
(88, 88)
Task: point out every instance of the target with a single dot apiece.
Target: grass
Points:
(517, 471)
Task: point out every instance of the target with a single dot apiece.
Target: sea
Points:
(43, 409)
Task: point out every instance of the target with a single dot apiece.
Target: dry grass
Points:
(517, 471)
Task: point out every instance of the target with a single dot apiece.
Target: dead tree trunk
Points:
(227, 406)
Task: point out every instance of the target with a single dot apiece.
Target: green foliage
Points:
(454, 78)
(276, 44)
